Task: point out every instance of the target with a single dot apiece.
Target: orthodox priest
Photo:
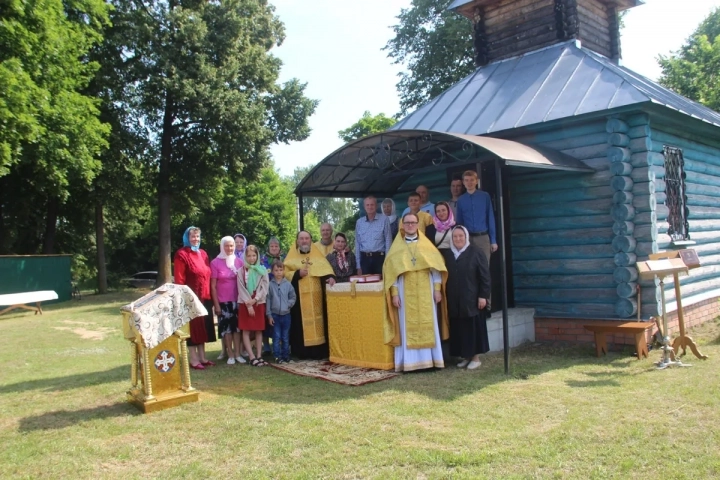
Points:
(308, 270)
(414, 277)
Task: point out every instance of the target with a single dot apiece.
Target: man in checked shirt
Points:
(372, 239)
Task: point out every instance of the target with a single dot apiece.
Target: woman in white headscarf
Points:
(224, 291)
(388, 209)
(468, 291)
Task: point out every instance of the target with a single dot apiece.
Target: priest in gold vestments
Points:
(414, 277)
(308, 270)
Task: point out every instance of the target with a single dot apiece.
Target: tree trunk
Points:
(164, 197)
(53, 207)
(100, 242)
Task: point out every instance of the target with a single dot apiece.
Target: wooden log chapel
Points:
(600, 166)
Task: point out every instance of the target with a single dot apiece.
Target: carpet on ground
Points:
(336, 373)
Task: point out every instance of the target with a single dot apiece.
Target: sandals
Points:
(258, 362)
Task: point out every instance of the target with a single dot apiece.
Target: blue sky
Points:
(335, 46)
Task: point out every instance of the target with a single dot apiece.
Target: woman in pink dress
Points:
(224, 292)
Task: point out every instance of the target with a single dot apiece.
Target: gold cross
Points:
(306, 262)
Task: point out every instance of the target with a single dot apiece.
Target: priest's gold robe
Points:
(325, 249)
(308, 315)
(418, 303)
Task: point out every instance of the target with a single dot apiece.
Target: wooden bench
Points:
(635, 328)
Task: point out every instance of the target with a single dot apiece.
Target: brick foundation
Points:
(570, 331)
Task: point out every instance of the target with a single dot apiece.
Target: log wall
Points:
(508, 28)
(702, 183)
(562, 228)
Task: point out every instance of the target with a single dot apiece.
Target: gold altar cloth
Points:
(355, 326)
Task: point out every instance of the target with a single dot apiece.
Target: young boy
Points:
(280, 299)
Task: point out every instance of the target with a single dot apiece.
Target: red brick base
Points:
(570, 331)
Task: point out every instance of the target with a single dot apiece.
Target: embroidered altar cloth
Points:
(157, 315)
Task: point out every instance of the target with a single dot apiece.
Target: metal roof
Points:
(556, 82)
(380, 164)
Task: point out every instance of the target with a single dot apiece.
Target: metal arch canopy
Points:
(380, 164)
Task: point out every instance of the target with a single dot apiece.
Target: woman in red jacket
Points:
(192, 268)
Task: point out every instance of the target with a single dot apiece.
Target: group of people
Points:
(435, 272)
(434, 260)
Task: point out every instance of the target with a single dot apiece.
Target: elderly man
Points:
(425, 204)
(372, 239)
(414, 279)
(308, 271)
(326, 243)
(475, 212)
(456, 189)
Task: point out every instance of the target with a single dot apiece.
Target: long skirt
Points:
(468, 336)
(252, 324)
(202, 329)
(228, 320)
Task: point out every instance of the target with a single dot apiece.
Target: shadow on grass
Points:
(70, 382)
(526, 363)
(592, 383)
(68, 418)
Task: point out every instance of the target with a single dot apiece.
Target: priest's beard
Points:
(304, 248)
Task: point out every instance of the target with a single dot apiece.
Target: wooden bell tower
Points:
(507, 28)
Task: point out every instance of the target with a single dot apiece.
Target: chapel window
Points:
(675, 194)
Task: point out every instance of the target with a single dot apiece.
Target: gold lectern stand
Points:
(158, 325)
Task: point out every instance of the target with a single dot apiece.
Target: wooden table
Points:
(355, 326)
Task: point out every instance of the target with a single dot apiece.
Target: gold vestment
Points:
(418, 302)
(309, 291)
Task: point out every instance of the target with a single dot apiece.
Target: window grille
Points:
(675, 194)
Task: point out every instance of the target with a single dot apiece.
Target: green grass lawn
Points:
(562, 413)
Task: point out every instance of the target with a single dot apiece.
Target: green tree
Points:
(258, 209)
(367, 125)
(50, 133)
(203, 89)
(694, 71)
(434, 47)
(331, 210)
(312, 225)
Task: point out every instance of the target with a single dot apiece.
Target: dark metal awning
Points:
(380, 164)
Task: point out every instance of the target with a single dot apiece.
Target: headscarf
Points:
(229, 259)
(440, 225)
(455, 251)
(393, 215)
(186, 239)
(241, 254)
(341, 260)
(255, 270)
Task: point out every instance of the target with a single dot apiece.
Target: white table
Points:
(19, 300)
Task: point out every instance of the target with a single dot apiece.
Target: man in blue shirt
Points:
(475, 212)
(372, 239)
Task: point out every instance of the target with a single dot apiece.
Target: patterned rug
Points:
(336, 373)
